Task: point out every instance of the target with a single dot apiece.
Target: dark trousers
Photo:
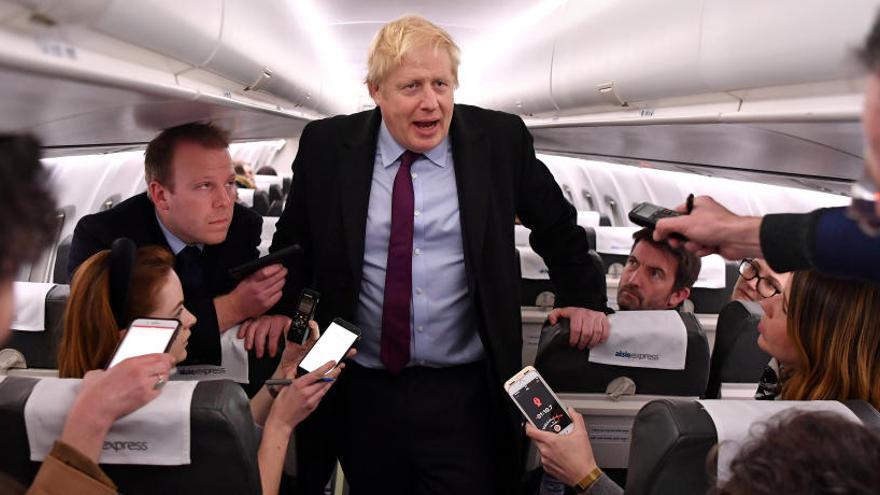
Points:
(427, 431)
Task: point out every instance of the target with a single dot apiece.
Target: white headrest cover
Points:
(156, 434)
(30, 306)
(734, 419)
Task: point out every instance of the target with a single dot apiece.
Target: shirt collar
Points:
(174, 242)
(390, 150)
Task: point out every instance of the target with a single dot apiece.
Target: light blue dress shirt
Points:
(442, 320)
(174, 242)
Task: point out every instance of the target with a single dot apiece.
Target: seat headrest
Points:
(40, 348)
(671, 440)
(567, 369)
(711, 300)
(736, 357)
(223, 446)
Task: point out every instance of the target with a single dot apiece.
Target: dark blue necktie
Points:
(188, 266)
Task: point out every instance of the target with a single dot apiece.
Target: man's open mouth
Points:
(426, 124)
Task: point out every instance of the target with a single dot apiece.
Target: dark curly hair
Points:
(689, 264)
(806, 453)
(28, 220)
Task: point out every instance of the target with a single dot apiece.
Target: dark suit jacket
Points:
(135, 218)
(497, 176)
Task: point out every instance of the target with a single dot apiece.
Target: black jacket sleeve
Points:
(555, 235)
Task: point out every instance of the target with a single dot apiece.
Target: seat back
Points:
(567, 369)
(223, 445)
(708, 300)
(736, 357)
(40, 349)
(671, 440)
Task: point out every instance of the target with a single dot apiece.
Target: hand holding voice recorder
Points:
(305, 311)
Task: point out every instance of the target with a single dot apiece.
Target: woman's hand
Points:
(296, 401)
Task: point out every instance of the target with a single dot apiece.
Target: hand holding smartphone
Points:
(145, 336)
(537, 402)
(333, 345)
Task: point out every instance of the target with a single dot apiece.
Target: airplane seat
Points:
(671, 440)
(275, 193)
(604, 221)
(567, 369)
(285, 186)
(535, 283)
(39, 347)
(711, 301)
(62, 253)
(223, 446)
(246, 196)
(736, 357)
(261, 202)
(275, 208)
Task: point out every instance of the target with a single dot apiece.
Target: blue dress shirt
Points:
(174, 242)
(443, 325)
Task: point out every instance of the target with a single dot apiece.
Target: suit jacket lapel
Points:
(356, 160)
(470, 152)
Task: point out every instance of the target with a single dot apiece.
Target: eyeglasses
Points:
(749, 269)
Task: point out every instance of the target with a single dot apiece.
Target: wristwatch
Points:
(590, 478)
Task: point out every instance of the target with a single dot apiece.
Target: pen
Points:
(690, 203)
(286, 381)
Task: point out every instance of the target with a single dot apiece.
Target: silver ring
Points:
(160, 382)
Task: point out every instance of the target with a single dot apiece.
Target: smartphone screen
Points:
(332, 346)
(145, 336)
(536, 401)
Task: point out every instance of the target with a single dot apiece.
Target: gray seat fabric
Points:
(736, 357)
(62, 252)
(712, 300)
(223, 449)
(671, 440)
(566, 369)
(40, 349)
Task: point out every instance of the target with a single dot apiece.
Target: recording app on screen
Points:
(541, 407)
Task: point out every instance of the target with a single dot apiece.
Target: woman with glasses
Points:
(757, 281)
(824, 336)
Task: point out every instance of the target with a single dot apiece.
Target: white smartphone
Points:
(333, 345)
(145, 336)
(537, 402)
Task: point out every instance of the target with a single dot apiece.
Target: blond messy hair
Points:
(398, 38)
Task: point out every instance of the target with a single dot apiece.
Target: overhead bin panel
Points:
(521, 84)
(609, 53)
(185, 30)
(264, 47)
(755, 43)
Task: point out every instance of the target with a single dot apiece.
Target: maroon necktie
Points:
(398, 271)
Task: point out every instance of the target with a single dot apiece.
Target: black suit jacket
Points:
(135, 218)
(497, 176)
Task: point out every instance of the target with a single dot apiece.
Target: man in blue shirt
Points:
(406, 219)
